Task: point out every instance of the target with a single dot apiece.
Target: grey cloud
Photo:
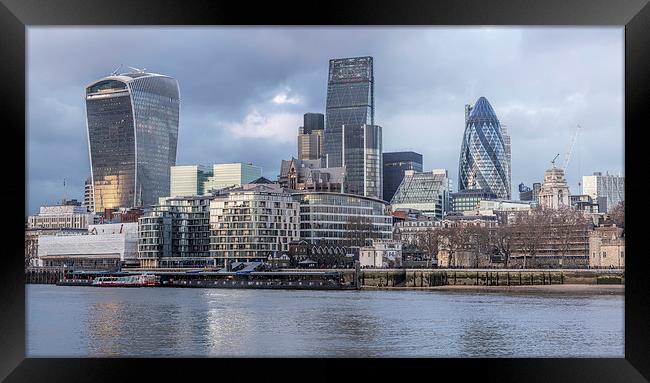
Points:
(540, 81)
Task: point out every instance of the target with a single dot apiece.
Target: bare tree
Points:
(427, 240)
(454, 239)
(617, 215)
(478, 237)
(505, 238)
(566, 224)
(358, 231)
(531, 228)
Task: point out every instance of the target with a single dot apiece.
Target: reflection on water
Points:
(79, 321)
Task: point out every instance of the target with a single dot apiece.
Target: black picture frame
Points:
(17, 15)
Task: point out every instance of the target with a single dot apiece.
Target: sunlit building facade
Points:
(188, 180)
(311, 137)
(251, 223)
(132, 125)
(484, 155)
(608, 187)
(231, 174)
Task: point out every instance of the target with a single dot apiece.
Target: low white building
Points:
(382, 253)
(104, 247)
(489, 207)
(61, 217)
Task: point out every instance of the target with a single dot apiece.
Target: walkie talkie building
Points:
(484, 157)
(352, 139)
(132, 124)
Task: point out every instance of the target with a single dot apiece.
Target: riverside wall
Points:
(487, 277)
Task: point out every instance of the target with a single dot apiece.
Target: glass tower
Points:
(132, 122)
(484, 157)
(351, 138)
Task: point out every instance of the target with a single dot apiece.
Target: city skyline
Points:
(223, 117)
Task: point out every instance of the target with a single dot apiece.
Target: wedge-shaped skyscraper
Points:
(351, 138)
(132, 121)
(484, 157)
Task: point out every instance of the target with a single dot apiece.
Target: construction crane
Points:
(570, 151)
(554, 158)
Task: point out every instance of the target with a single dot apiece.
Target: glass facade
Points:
(362, 147)
(188, 180)
(330, 218)
(395, 164)
(351, 138)
(428, 192)
(234, 174)
(469, 199)
(484, 158)
(132, 122)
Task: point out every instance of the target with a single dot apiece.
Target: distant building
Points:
(395, 164)
(311, 175)
(89, 202)
(607, 247)
(176, 234)
(251, 223)
(468, 199)
(188, 180)
(342, 219)
(311, 137)
(428, 192)
(132, 121)
(584, 203)
(103, 247)
(610, 187)
(61, 217)
(554, 193)
(381, 254)
(232, 174)
(490, 207)
(485, 152)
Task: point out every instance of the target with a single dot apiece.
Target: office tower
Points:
(351, 138)
(89, 202)
(608, 190)
(232, 174)
(188, 180)
(311, 140)
(428, 192)
(483, 160)
(395, 164)
(132, 122)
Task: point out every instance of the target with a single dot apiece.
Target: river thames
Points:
(176, 322)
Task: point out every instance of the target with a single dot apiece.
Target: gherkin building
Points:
(484, 154)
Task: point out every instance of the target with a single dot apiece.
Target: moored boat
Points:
(141, 280)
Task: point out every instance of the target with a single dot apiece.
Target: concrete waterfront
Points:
(482, 279)
(419, 278)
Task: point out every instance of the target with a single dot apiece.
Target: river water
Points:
(170, 322)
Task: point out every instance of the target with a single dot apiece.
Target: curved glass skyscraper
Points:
(484, 157)
(132, 121)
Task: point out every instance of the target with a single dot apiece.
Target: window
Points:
(604, 254)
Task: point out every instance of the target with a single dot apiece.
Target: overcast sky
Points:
(244, 91)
